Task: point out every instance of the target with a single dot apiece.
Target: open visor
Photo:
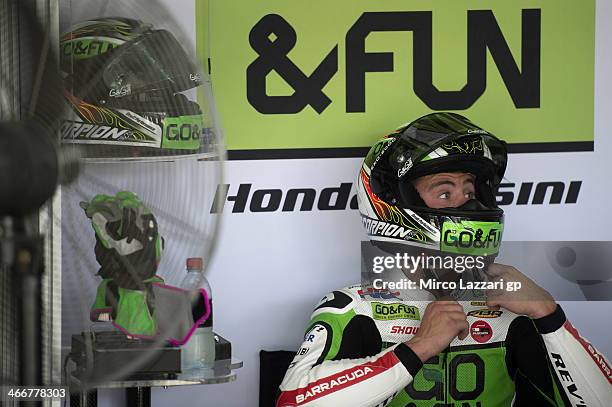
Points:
(153, 61)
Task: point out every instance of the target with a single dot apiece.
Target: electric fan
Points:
(130, 125)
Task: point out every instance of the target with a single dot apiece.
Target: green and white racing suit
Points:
(354, 354)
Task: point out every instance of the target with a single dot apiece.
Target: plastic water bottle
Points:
(199, 351)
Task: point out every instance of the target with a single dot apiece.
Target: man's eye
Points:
(444, 195)
(470, 195)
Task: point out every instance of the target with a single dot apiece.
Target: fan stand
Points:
(22, 254)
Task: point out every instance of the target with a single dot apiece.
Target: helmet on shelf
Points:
(125, 83)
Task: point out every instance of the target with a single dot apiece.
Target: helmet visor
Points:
(431, 143)
(154, 61)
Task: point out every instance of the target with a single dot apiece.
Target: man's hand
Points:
(442, 322)
(531, 299)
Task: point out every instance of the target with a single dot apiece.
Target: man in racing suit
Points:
(377, 347)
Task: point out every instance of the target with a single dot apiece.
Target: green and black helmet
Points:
(391, 208)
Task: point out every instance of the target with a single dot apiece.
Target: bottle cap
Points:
(195, 263)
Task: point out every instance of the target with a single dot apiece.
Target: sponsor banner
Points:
(275, 197)
(337, 75)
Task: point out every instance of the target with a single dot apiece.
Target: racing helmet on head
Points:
(392, 210)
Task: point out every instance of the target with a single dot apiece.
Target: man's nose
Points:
(459, 200)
